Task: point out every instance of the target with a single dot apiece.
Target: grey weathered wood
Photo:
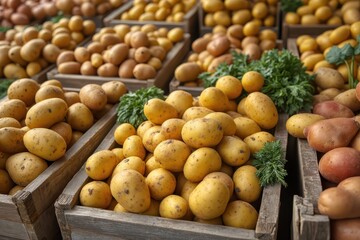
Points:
(291, 45)
(8, 209)
(10, 229)
(161, 80)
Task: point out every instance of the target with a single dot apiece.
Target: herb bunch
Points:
(4, 85)
(270, 164)
(131, 106)
(290, 5)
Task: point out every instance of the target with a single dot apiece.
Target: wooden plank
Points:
(14, 230)
(291, 45)
(8, 209)
(162, 79)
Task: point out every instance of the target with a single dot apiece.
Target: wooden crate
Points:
(162, 79)
(190, 23)
(293, 31)
(79, 222)
(30, 213)
(307, 222)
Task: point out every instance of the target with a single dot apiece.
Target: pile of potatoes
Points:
(21, 12)
(214, 48)
(313, 50)
(27, 51)
(228, 12)
(330, 12)
(190, 160)
(40, 122)
(158, 10)
(122, 51)
(87, 8)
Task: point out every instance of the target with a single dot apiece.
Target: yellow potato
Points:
(171, 128)
(93, 96)
(172, 154)
(195, 112)
(150, 165)
(23, 89)
(64, 129)
(233, 151)
(214, 99)
(240, 214)
(245, 127)
(9, 122)
(153, 210)
(226, 121)
(261, 109)
(122, 132)
(174, 207)
(79, 117)
(3, 158)
(132, 162)
(129, 189)
(15, 189)
(296, 123)
(114, 90)
(45, 143)
(133, 146)
(202, 132)
(152, 137)
(6, 182)
(161, 183)
(181, 100)
(11, 140)
(201, 162)
(157, 111)
(247, 184)
(14, 108)
(140, 131)
(209, 199)
(24, 167)
(101, 164)
(256, 141)
(49, 91)
(46, 113)
(95, 194)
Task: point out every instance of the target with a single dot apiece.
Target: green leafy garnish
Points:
(131, 106)
(4, 29)
(270, 164)
(4, 85)
(57, 18)
(286, 81)
(345, 54)
(290, 5)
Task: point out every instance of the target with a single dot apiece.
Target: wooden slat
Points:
(8, 209)
(9, 229)
(291, 45)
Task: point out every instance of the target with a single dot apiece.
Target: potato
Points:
(87, 69)
(181, 100)
(245, 127)
(133, 146)
(152, 137)
(108, 70)
(3, 158)
(332, 109)
(13, 108)
(14, 56)
(225, 58)
(143, 71)
(11, 140)
(240, 214)
(174, 207)
(157, 111)
(331, 201)
(209, 199)
(328, 78)
(6, 182)
(140, 131)
(130, 190)
(49, 91)
(132, 162)
(9, 122)
(65, 56)
(122, 132)
(197, 165)
(114, 90)
(171, 128)
(79, 117)
(247, 184)
(325, 135)
(69, 67)
(118, 53)
(23, 89)
(196, 112)
(71, 98)
(233, 151)
(202, 132)
(214, 99)
(257, 140)
(32, 49)
(14, 71)
(187, 72)
(230, 85)
(349, 99)
(126, 68)
(24, 167)
(224, 177)
(45, 143)
(51, 52)
(46, 113)
(187, 188)
(218, 46)
(95, 194)
(93, 96)
(172, 154)
(63, 129)
(200, 44)
(296, 123)
(101, 164)
(345, 228)
(261, 109)
(161, 183)
(339, 163)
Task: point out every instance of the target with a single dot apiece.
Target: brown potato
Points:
(118, 53)
(126, 68)
(93, 96)
(218, 46)
(69, 68)
(114, 90)
(144, 71)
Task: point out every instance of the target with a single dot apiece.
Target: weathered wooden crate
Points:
(292, 31)
(195, 91)
(307, 222)
(30, 213)
(79, 222)
(162, 79)
(190, 23)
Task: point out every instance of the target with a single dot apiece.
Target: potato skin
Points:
(46, 113)
(6, 182)
(161, 183)
(240, 214)
(296, 123)
(93, 96)
(257, 140)
(14, 108)
(247, 184)
(174, 207)
(328, 78)
(24, 167)
(187, 72)
(233, 151)
(345, 228)
(11, 140)
(157, 111)
(129, 189)
(79, 117)
(24, 89)
(45, 143)
(95, 194)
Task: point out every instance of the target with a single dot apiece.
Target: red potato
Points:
(343, 201)
(327, 134)
(339, 164)
(348, 229)
(332, 109)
